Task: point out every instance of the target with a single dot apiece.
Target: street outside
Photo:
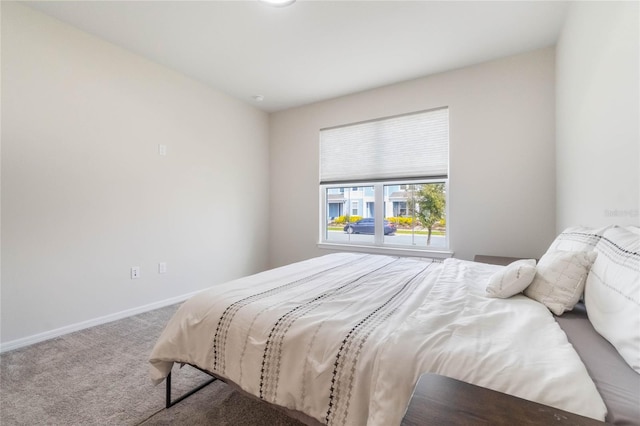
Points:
(419, 240)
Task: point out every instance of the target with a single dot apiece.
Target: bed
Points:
(342, 339)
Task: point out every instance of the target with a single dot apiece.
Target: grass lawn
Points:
(399, 231)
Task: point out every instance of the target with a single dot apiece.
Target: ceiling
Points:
(314, 50)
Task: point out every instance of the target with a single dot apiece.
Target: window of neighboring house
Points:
(400, 207)
(369, 211)
(354, 208)
(397, 169)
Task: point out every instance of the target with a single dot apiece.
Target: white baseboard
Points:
(40, 337)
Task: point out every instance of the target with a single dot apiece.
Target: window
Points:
(418, 214)
(392, 177)
(337, 229)
(354, 208)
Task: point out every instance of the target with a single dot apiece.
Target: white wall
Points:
(85, 195)
(598, 125)
(502, 156)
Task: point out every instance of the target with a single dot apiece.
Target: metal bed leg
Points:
(170, 403)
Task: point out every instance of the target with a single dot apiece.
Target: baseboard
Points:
(41, 337)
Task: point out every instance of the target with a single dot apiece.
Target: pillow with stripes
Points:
(578, 238)
(612, 292)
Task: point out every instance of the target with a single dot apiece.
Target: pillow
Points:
(560, 279)
(612, 292)
(578, 238)
(512, 279)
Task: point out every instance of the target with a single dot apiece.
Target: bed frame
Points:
(170, 403)
(297, 415)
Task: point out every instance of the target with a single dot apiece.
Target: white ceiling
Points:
(314, 50)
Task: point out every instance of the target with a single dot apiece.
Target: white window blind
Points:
(408, 146)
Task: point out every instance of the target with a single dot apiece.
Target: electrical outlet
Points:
(135, 272)
(162, 267)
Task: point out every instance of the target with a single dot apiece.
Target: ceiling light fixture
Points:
(258, 98)
(278, 3)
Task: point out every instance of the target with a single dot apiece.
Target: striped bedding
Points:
(344, 337)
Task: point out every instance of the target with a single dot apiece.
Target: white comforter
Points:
(344, 338)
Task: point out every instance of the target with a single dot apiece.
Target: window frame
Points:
(378, 245)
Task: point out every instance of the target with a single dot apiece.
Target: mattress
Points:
(616, 381)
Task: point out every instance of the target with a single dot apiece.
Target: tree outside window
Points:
(428, 204)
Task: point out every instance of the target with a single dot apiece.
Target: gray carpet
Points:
(99, 376)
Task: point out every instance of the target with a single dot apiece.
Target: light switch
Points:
(162, 267)
(162, 149)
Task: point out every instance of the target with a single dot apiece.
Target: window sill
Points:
(394, 251)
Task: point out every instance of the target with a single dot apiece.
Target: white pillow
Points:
(578, 238)
(560, 279)
(612, 293)
(512, 279)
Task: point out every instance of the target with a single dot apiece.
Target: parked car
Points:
(367, 226)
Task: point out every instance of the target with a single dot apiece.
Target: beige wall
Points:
(598, 131)
(502, 156)
(85, 195)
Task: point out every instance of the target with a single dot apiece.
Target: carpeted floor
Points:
(99, 376)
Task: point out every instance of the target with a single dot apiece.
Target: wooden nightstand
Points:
(439, 400)
(495, 260)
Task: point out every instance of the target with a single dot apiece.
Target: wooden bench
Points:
(440, 400)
